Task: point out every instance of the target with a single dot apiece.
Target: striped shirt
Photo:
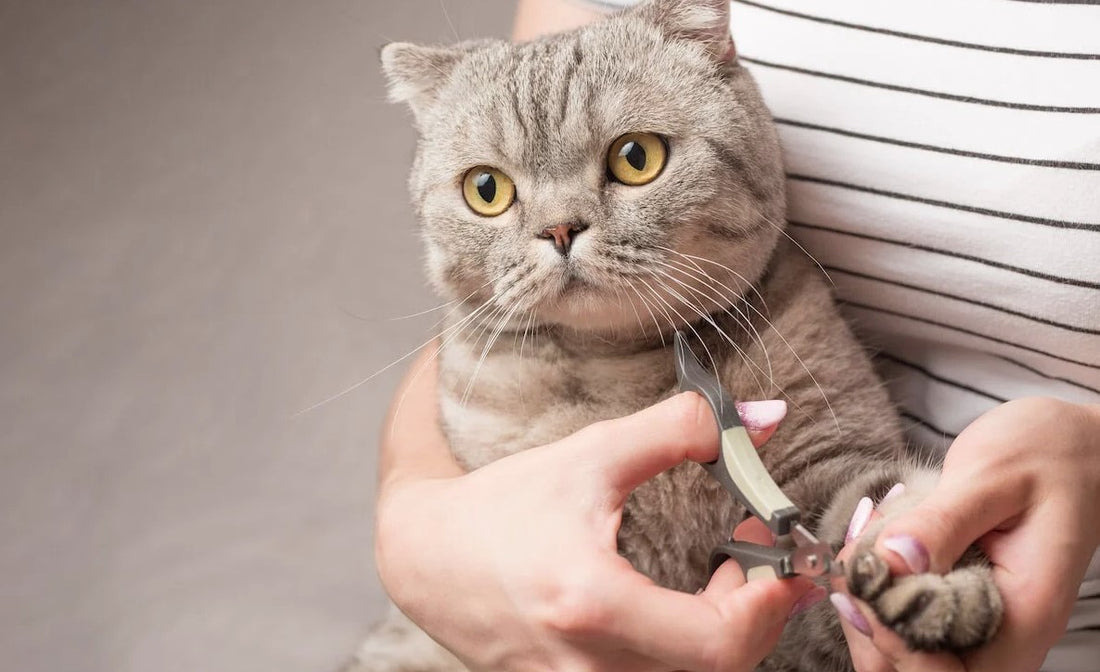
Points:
(943, 163)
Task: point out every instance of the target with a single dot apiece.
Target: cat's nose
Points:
(563, 235)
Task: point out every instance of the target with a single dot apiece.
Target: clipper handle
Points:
(740, 471)
(756, 561)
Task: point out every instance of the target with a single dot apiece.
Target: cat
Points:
(584, 195)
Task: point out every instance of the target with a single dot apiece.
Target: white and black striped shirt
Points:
(944, 167)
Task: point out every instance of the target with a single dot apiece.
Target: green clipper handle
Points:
(738, 467)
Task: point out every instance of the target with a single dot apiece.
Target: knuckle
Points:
(574, 610)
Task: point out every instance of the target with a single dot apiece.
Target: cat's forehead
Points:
(554, 104)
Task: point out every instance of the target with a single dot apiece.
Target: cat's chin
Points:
(600, 313)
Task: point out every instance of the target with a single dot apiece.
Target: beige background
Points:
(203, 229)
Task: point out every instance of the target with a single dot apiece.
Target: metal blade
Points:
(811, 557)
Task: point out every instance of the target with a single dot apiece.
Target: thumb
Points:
(934, 534)
(635, 448)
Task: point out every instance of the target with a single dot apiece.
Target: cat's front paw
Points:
(930, 612)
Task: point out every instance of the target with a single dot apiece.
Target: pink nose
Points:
(563, 235)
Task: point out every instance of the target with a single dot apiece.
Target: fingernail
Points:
(850, 612)
(910, 550)
(860, 518)
(759, 415)
(816, 594)
(897, 490)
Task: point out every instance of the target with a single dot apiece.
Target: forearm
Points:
(412, 444)
(535, 18)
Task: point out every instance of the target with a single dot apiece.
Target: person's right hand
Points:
(513, 567)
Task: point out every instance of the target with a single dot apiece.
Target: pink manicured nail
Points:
(759, 415)
(910, 550)
(897, 490)
(860, 518)
(850, 612)
(816, 594)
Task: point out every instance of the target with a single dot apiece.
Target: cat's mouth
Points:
(574, 283)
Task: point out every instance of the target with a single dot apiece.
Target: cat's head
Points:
(587, 178)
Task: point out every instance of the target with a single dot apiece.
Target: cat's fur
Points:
(542, 344)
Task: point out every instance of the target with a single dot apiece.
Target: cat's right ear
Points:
(415, 73)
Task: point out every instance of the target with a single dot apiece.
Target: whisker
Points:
(772, 327)
(728, 303)
(374, 375)
(710, 320)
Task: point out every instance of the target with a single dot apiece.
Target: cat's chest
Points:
(516, 402)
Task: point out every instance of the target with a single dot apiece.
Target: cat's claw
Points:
(954, 612)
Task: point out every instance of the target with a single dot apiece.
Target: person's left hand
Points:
(1023, 482)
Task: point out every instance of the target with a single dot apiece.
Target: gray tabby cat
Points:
(581, 197)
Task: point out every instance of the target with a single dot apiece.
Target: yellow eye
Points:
(637, 158)
(488, 191)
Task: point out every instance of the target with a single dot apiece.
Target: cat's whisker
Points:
(750, 363)
(783, 338)
(364, 381)
(692, 259)
(688, 323)
(707, 317)
(797, 244)
(445, 339)
(661, 305)
(649, 309)
(728, 303)
(506, 315)
(460, 303)
(620, 295)
(733, 303)
(423, 312)
(501, 325)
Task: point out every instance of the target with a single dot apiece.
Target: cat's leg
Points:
(399, 645)
(956, 611)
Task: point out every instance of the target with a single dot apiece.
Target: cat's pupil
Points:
(486, 187)
(634, 154)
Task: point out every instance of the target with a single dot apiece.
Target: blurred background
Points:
(204, 229)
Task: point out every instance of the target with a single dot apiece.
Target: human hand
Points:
(514, 566)
(1023, 481)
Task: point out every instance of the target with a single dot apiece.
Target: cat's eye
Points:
(637, 158)
(488, 191)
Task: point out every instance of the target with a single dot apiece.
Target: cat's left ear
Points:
(415, 73)
(707, 21)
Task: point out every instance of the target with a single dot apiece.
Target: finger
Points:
(865, 657)
(876, 648)
(933, 535)
(1038, 568)
(732, 628)
(727, 578)
(637, 447)
(761, 418)
(754, 530)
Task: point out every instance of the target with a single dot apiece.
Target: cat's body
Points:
(551, 335)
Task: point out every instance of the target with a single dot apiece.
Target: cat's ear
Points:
(707, 21)
(415, 73)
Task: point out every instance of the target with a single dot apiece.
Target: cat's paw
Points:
(930, 612)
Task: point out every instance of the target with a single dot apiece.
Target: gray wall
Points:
(203, 229)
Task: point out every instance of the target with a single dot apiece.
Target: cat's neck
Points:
(531, 339)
